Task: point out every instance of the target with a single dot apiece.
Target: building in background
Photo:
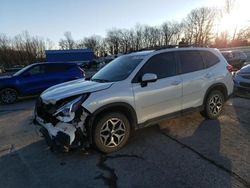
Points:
(79, 56)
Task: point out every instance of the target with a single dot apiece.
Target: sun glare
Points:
(238, 18)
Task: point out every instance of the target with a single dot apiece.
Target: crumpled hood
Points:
(72, 88)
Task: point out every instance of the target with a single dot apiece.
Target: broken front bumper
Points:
(62, 134)
(58, 129)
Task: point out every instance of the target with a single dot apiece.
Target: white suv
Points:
(131, 92)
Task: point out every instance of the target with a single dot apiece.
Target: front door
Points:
(34, 80)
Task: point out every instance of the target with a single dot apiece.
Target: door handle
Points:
(175, 83)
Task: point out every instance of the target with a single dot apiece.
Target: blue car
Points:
(35, 78)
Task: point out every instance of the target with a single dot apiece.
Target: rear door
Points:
(56, 73)
(163, 96)
(193, 75)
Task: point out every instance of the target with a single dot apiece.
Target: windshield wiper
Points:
(99, 80)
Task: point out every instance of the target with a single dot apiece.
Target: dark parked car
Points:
(35, 78)
(235, 58)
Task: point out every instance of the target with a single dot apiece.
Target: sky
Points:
(83, 18)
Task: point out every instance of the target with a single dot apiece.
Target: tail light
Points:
(230, 68)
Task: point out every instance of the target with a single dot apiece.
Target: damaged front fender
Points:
(67, 134)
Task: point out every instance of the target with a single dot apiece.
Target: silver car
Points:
(242, 79)
(131, 92)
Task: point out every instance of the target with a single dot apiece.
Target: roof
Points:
(86, 50)
(147, 52)
(55, 63)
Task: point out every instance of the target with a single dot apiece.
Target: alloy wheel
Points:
(8, 96)
(112, 132)
(215, 104)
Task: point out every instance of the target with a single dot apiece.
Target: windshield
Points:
(22, 70)
(118, 69)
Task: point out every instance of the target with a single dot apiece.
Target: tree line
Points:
(22, 49)
(198, 28)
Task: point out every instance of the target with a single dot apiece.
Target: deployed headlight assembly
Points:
(68, 110)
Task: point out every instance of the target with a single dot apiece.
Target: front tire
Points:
(213, 105)
(111, 132)
(8, 96)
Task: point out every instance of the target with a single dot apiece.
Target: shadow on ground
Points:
(152, 158)
(188, 152)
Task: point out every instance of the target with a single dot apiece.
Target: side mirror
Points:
(148, 77)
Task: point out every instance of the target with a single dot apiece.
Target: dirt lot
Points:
(185, 152)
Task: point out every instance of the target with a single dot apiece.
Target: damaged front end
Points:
(63, 123)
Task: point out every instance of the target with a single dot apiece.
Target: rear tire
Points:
(213, 105)
(111, 132)
(8, 96)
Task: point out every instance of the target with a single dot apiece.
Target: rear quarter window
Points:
(57, 67)
(210, 58)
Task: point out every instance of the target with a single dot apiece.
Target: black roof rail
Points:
(174, 46)
(154, 48)
(166, 47)
(169, 46)
(183, 46)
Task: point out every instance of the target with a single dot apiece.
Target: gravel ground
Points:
(185, 152)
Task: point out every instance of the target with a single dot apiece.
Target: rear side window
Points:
(163, 65)
(190, 61)
(209, 58)
(57, 67)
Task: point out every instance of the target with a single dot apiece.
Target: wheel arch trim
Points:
(120, 106)
(220, 86)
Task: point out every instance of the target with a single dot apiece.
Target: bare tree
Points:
(221, 40)
(67, 43)
(92, 42)
(226, 10)
(151, 37)
(178, 33)
(244, 34)
(126, 40)
(113, 41)
(199, 25)
(169, 31)
(229, 6)
(21, 49)
(138, 37)
(196, 28)
(103, 49)
(49, 44)
(4, 48)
